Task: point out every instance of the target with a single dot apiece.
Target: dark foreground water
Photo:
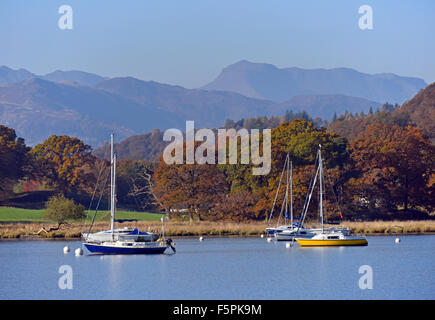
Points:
(223, 268)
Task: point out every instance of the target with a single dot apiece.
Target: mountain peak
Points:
(248, 65)
(8, 75)
(81, 77)
(241, 63)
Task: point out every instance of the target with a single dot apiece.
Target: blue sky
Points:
(188, 42)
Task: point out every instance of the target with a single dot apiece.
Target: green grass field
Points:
(11, 214)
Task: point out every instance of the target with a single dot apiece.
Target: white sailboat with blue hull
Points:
(126, 240)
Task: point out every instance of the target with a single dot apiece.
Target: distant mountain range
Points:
(266, 81)
(38, 108)
(8, 75)
(207, 108)
(89, 106)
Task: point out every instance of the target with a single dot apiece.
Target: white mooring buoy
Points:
(269, 239)
(79, 252)
(262, 235)
(201, 238)
(397, 240)
(287, 245)
(65, 249)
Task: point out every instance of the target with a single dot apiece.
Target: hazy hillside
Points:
(148, 146)
(324, 106)
(266, 81)
(208, 109)
(36, 125)
(38, 108)
(421, 110)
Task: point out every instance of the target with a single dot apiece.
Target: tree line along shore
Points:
(384, 169)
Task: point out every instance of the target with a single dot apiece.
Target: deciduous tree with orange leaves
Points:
(192, 189)
(395, 165)
(301, 139)
(65, 161)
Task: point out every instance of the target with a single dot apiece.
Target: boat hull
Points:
(284, 237)
(331, 243)
(109, 249)
(272, 231)
(291, 235)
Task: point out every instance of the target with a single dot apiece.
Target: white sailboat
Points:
(125, 240)
(286, 231)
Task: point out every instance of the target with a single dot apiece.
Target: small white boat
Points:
(290, 234)
(284, 229)
(278, 229)
(296, 231)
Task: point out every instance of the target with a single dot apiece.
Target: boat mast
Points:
(112, 186)
(276, 195)
(286, 189)
(291, 192)
(320, 186)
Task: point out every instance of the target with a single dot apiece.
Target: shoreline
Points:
(36, 238)
(177, 229)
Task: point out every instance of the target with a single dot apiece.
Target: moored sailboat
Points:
(126, 240)
(328, 236)
(332, 238)
(287, 231)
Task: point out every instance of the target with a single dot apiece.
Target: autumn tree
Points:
(66, 163)
(301, 139)
(14, 159)
(396, 165)
(191, 188)
(194, 187)
(351, 127)
(135, 184)
(237, 206)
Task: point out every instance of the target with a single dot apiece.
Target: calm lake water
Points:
(222, 268)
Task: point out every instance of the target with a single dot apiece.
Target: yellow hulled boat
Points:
(327, 237)
(332, 239)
